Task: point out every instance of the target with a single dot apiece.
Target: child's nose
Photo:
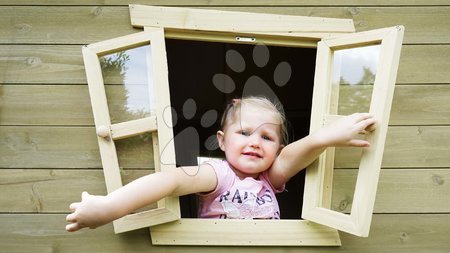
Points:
(254, 140)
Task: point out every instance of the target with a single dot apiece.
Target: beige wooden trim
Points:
(240, 38)
(314, 173)
(366, 38)
(237, 22)
(225, 26)
(244, 233)
(326, 192)
(144, 219)
(359, 219)
(119, 44)
(133, 127)
(168, 208)
(208, 232)
(100, 110)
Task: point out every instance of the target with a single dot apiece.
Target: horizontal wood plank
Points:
(401, 233)
(418, 105)
(63, 25)
(76, 147)
(250, 233)
(46, 233)
(399, 190)
(63, 64)
(28, 190)
(42, 64)
(51, 191)
(411, 105)
(66, 104)
(239, 22)
(46, 105)
(424, 64)
(231, 2)
(417, 30)
(415, 146)
(67, 147)
(69, 105)
(36, 24)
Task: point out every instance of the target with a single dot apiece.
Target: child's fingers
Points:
(359, 143)
(71, 217)
(363, 131)
(84, 195)
(74, 206)
(73, 227)
(372, 126)
(361, 116)
(367, 125)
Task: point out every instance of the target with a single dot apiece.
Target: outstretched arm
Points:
(299, 154)
(94, 211)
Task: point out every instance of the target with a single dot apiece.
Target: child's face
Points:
(252, 141)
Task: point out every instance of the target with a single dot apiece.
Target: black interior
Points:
(192, 65)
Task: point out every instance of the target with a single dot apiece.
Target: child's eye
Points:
(267, 138)
(245, 133)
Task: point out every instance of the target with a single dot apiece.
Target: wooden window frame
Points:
(318, 179)
(226, 26)
(168, 208)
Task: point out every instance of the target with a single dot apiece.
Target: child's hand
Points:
(344, 131)
(90, 212)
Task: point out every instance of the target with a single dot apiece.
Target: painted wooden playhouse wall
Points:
(49, 153)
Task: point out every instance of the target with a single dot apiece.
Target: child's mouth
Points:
(253, 154)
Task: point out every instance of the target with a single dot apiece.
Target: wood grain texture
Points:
(238, 22)
(66, 25)
(414, 147)
(52, 155)
(402, 233)
(76, 147)
(67, 147)
(52, 190)
(231, 2)
(36, 24)
(411, 105)
(63, 64)
(410, 187)
(69, 105)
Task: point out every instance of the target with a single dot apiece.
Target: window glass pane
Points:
(135, 152)
(127, 76)
(354, 72)
(135, 156)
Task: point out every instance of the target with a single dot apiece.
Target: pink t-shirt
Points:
(234, 198)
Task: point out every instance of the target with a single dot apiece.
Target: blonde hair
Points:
(232, 108)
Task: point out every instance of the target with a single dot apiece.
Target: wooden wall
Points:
(49, 153)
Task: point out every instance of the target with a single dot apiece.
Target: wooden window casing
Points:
(168, 208)
(223, 26)
(318, 181)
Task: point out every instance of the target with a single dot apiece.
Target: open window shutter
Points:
(318, 187)
(168, 208)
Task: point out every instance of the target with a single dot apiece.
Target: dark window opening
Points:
(192, 66)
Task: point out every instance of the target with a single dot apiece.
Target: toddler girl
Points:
(258, 162)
